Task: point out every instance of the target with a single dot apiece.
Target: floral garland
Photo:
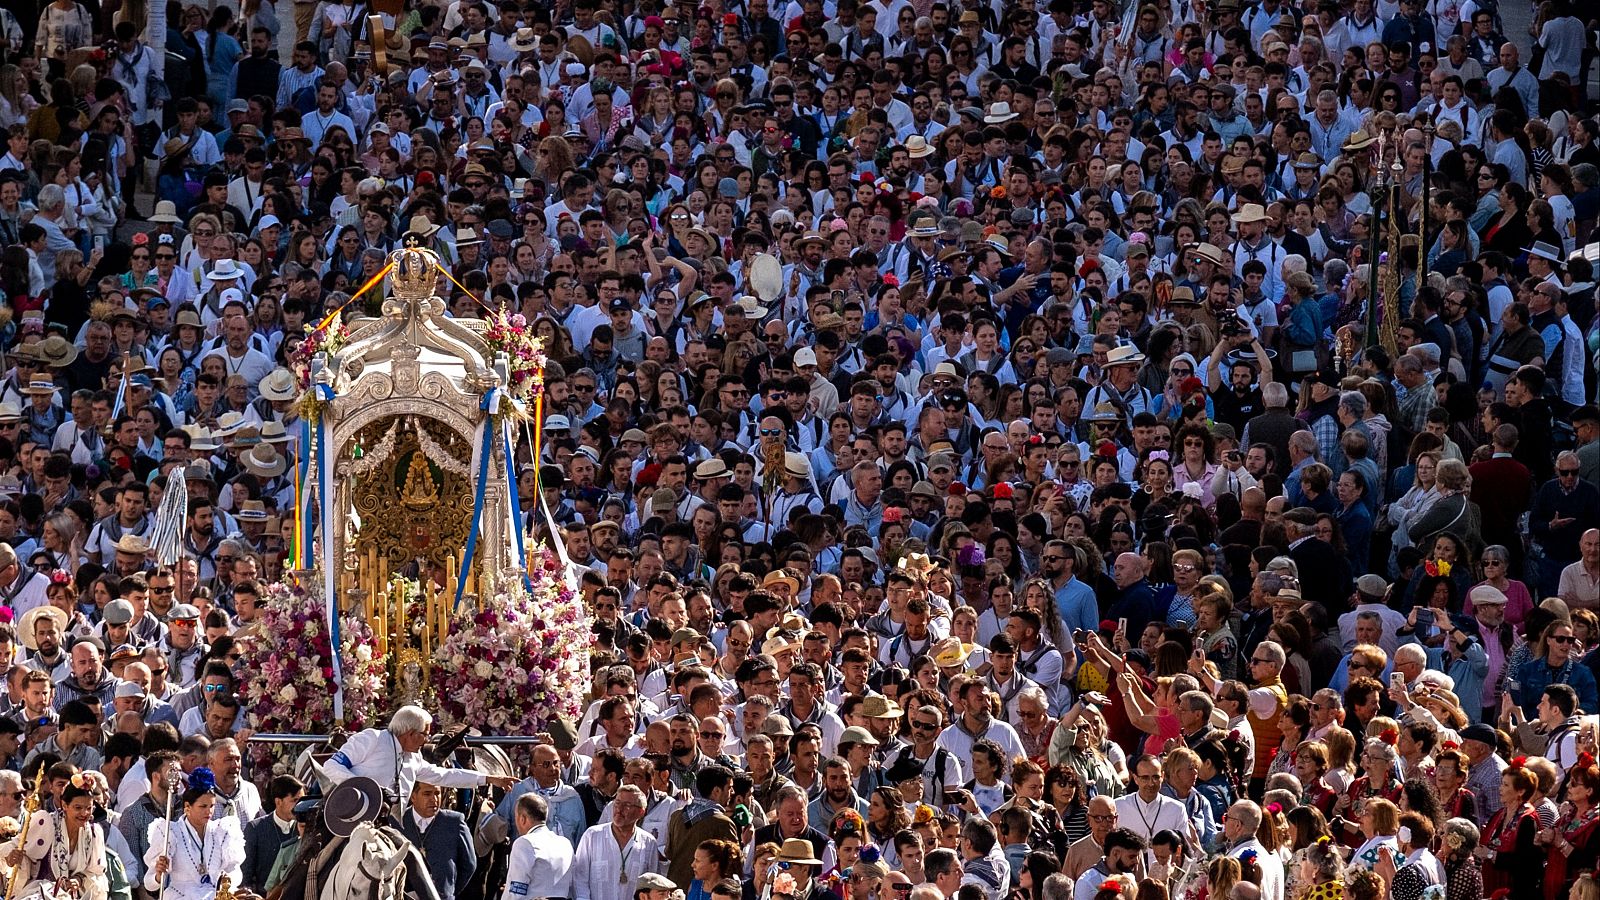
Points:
(509, 333)
(521, 659)
(289, 685)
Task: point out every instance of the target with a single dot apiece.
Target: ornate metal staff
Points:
(29, 807)
(174, 778)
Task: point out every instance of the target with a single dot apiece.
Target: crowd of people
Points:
(1010, 451)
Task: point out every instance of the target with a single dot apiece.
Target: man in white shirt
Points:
(617, 858)
(327, 115)
(391, 757)
(1148, 811)
(541, 860)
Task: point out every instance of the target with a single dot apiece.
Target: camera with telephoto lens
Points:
(1232, 328)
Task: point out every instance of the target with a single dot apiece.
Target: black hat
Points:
(904, 769)
(352, 802)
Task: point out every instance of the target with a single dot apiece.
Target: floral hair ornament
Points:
(60, 576)
(923, 815)
(1404, 834)
(1274, 808)
(79, 780)
(1111, 884)
(1437, 568)
(1454, 840)
(1585, 760)
(202, 779)
(869, 853)
(1162, 455)
(1390, 736)
(1324, 840)
(1519, 762)
(1106, 450)
(890, 280)
(1248, 856)
(850, 818)
(1453, 745)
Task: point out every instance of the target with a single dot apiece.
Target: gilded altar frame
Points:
(426, 375)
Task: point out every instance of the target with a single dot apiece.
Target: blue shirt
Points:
(1078, 605)
(1536, 675)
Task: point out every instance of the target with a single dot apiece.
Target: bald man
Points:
(1136, 600)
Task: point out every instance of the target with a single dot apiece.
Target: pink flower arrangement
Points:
(518, 661)
(510, 334)
(317, 340)
(289, 687)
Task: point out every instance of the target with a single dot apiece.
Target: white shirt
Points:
(959, 743)
(1271, 868)
(540, 866)
(376, 754)
(1145, 819)
(602, 870)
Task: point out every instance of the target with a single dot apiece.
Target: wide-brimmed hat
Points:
(1211, 253)
(1105, 411)
(1250, 212)
(30, 619)
(796, 464)
(1123, 355)
(797, 851)
(877, 706)
(56, 352)
(1545, 251)
(274, 433)
(280, 384)
(251, 511)
(1360, 139)
(166, 213)
(225, 270)
(202, 440)
(11, 411)
(187, 318)
(228, 423)
(711, 468)
(264, 460)
(781, 575)
(523, 41)
(40, 387)
(917, 147)
(353, 801)
(952, 652)
(1182, 296)
(132, 543)
(999, 113)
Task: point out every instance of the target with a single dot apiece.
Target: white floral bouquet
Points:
(521, 659)
(289, 682)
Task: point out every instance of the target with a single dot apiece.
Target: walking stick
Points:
(174, 778)
(29, 807)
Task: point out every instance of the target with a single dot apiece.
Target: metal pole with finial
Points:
(1377, 195)
(1422, 227)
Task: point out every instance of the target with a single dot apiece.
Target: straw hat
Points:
(1123, 355)
(280, 384)
(56, 352)
(264, 460)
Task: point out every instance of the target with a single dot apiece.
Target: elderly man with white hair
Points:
(52, 203)
(1239, 835)
(390, 756)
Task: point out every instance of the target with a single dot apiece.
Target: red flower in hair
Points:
(1585, 760)
(1450, 745)
(1519, 762)
(1111, 885)
(1390, 736)
(1274, 807)
(891, 280)
(1106, 449)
